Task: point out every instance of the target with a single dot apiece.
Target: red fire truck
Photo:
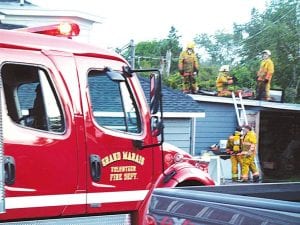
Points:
(80, 143)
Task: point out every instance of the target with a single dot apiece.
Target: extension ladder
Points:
(239, 109)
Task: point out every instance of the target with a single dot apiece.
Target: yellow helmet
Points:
(190, 45)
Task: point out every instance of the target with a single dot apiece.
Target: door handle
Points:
(95, 167)
(10, 170)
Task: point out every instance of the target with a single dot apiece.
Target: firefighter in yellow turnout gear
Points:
(248, 154)
(188, 66)
(234, 149)
(223, 81)
(264, 77)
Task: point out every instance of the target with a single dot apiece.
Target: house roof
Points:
(175, 103)
(247, 102)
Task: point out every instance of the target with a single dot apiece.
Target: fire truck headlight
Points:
(178, 158)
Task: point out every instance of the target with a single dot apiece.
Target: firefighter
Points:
(188, 66)
(264, 76)
(248, 154)
(223, 80)
(234, 149)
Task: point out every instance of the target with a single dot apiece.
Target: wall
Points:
(178, 132)
(219, 122)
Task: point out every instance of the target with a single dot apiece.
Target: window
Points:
(112, 103)
(30, 99)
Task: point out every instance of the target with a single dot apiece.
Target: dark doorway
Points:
(279, 145)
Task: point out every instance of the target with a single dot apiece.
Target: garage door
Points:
(178, 133)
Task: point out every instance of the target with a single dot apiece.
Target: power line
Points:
(268, 26)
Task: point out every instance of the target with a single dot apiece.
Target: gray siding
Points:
(178, 132)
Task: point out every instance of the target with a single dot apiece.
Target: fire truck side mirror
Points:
(156, 107)
(155, 87)
(155, 93)
(156, 126)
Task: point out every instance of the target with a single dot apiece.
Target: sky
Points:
(147, 20)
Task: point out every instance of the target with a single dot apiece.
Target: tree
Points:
(153, 53)
(220, 47)
(277, 29)
(172, 43)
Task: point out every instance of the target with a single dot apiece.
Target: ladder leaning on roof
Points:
(239, 109)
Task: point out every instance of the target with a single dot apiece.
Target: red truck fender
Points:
(183, 174)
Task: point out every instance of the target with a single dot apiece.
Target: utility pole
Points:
(132, 53)
(162, 65)
(168, 62)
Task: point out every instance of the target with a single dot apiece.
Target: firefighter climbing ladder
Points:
(239, 109)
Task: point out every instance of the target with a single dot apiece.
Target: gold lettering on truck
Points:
(126, 172)
(131, 156)
(116, 156)
(122, 169)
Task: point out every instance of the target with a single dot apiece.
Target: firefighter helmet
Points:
(268, 52)
(190, 45)
(224, 68)
(248, 127)
(238, 128)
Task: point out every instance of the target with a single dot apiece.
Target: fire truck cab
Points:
(80, 143)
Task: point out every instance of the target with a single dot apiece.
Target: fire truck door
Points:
(119, 174)
(41, 153)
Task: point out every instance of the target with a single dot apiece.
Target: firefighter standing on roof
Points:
(234, 149)
(248, 153)
(188, 66)
(223, 80)
(264, 77)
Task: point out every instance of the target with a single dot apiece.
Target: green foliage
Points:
(276, 29)
(290, 95)
(220, 47)
(153, 52)
(244, 77)
(173, 81)
(207, 77)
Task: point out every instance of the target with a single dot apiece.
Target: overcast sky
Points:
(146, 20)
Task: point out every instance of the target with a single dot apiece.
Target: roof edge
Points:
(248, 102)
